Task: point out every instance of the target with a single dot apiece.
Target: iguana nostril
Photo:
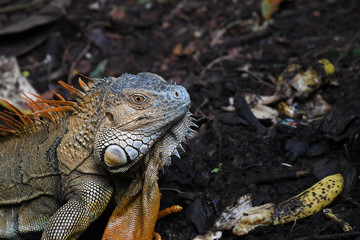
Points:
(115, 156)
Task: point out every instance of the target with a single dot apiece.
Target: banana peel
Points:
(297, 82)
(292, 84)
(243, 218)
(305, 204)
(346, 227)
(269, 7)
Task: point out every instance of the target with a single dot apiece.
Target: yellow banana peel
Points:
(310, 201)
(328, 66)
(285, 109)
(346, 227)
(305, 204)
(242, 217)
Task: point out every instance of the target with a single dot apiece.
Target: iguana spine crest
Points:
(41, 109)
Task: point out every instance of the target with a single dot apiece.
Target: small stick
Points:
(73, 65)
(279, 177)
(335, 236)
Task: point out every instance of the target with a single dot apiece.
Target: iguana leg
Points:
(169, 210)
(33, 215)
(165, 212)
(157, 236)
(8, 223)
(77, 214)
(28, 220)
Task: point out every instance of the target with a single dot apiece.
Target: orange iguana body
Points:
(62, 165)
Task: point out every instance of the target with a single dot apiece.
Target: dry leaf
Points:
(177, 50)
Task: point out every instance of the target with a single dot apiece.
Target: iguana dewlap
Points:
(137, 210)
(61, 166)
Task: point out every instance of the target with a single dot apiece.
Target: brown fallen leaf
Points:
(177, 50)
(117, 13)
(47, 14)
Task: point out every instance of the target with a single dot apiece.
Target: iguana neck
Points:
(77, 145)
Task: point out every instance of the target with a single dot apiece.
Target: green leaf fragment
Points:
(218, 169)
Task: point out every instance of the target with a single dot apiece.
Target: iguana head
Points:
(136, 112)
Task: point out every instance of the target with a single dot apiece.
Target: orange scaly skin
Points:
(169, 210)
(136, 214)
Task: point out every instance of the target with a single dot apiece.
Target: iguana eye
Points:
(138, 98)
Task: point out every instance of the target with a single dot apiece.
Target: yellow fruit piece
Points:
(344, 225)
(243, 217)
(310, 201)
(288, 111)
(254, 217)
(269, 7)
(328, 67)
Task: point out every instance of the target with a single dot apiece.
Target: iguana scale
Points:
(61, 165)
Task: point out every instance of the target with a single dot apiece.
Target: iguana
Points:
(61, 165)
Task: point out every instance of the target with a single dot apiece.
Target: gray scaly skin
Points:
(58, 176)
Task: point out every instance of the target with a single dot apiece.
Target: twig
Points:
(292, 227)
(279, 177)
(237, 41)
(254, 76)
(205, 101)
(55, 75)
(66, 56)
(76, 61)
(172, 189)
(355, 61)
(214, 62)
(223, 30)
(17, 7)
(348, 47)
(335, 236)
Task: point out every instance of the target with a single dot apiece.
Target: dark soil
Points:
(181, 40)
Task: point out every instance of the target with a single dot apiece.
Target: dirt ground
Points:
(217, 49)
